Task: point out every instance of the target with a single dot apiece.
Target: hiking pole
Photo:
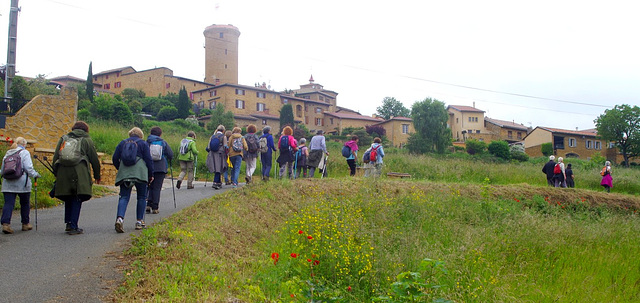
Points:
(195, 167)
(45, 164)
(35, 185)
(173, 187)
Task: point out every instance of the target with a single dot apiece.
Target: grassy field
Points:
(354, 240)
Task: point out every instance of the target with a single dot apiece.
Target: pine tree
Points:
(184, 104)
(90, 82)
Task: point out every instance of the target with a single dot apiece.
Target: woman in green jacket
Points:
(187, 157)
(73, 181)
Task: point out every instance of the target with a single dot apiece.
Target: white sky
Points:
(585, 52)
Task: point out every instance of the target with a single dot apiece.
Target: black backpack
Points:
(129, 153)
(252, 143)
(12, 167)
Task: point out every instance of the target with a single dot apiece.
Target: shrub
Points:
(475, 146)
(547, 149)
(500, 149)
(519, 156)
(167, 113)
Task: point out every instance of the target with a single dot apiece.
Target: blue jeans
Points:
(72, 206)
(266, 161)
(236, 161)
(10, 202)
(125, 194)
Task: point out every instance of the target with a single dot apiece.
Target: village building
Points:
(582, 144)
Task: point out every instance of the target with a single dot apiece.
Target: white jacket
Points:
(22, 184)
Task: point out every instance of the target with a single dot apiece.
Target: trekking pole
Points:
(35, 185)
(195, 167)
(45, 164)
(173, 187)
(295, 166)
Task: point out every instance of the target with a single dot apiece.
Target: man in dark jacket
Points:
(137, 174)
(161, 154)
(548, 169)
(73, 182)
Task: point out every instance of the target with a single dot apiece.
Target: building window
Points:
(240, 104)
(306, 120)
(318, 121)
(331, 120)
(225, 51)
(118, 84)
(519, 135)
(106, 76)
(572, 142)
(306, 97)
(225, 66)
(597, 145)
(239, 91)
(473, 119)
(457, 121)
(213, 93)
(285, 101)
(260, 107)
(212, 105)
(117, 74)
(107, 86)
(318, 110)
(477, 131)
(221, 35)
(588, 144)
(264, 121)
(95, 79)
(191, 96)
(167, 85)
(510, 134)
(201, 104)
(261, 95)
(299, 110)
(321, 98)
(405, 128)
(612, 145)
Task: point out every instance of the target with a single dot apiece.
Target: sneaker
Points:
(246, 179)
(155, 211)
(76, 231)
(119, 225)
(178, 184)
(227, 183)
(139, 225)
(6, 228)
(68, 227)
(27, 226)
(148, 210)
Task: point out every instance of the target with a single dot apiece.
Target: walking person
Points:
(16, 169)
(559, 176)
(227, 172)
(73, 175)
(187, 157)
(266, 157)
(251, 153)
(376, 153)
(569, 173)
(238, 146)
(161, 154)
(351, 160)
(217, 157)
(548, 170)
(318, 148)
(287, 147)
(301, 158)
(133, 161)
(607, 180)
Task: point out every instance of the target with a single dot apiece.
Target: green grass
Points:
(495, 244)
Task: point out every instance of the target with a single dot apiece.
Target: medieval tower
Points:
(221, 54)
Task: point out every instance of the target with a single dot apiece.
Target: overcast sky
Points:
(540, 63)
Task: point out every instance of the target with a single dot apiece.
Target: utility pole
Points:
(10, 68)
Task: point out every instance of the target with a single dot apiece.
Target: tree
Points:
(475, 146)
(430, 119)
(20, 93)
(184, 104)
(500, 149)
(167, 113)
(220, 117)
(376, 130)
(622, 126)
(392, 108)
(89, 83)
(130, 94)
(286, 116)
(546, 149)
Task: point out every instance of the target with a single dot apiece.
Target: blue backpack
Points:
(215, 143)
(346, 151)
(284, 144)
(129, 154)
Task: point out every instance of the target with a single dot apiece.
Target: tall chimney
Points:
(474, 104)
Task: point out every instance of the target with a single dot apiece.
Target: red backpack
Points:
(556, 169)
(373, 155)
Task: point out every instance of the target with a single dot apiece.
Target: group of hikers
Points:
(144, 164)
(560, 176)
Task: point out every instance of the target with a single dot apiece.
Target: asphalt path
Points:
(47, 265)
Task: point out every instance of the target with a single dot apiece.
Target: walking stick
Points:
(35, 184)
(173, 187)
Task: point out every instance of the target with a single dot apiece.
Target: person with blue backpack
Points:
(301, 159)
(350, 151)
(266, 154)
(161, 154)
(287, 147)
(217, 157)
(133, 161)
(237, 144)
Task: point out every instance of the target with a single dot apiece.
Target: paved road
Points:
(48, 265)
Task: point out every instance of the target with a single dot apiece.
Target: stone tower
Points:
(221, 54)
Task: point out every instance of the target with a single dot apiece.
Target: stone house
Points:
(581, 144)
(398, 130)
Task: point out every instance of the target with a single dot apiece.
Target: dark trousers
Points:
(216, 178)
(10, 202)
(72, 206)
(352, 166)
(155, 188)
(266, 161)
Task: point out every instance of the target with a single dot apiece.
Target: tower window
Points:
(225, 51)
(221, 35)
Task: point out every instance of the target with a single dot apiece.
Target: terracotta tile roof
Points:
(114, 70)
(590, 132)
(354, 117)
(464, 108)
(503, 123)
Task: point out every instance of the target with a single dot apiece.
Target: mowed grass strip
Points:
(347, 240)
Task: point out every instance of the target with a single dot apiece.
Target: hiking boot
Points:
(148, 210)
(178, 184)
(139, 225)
(68, 227)
(76, 231)
(155, 211)
(247, 179)
(227, 183)
(190, 187)
(27, 226)
(6, 228)
(119, 225)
